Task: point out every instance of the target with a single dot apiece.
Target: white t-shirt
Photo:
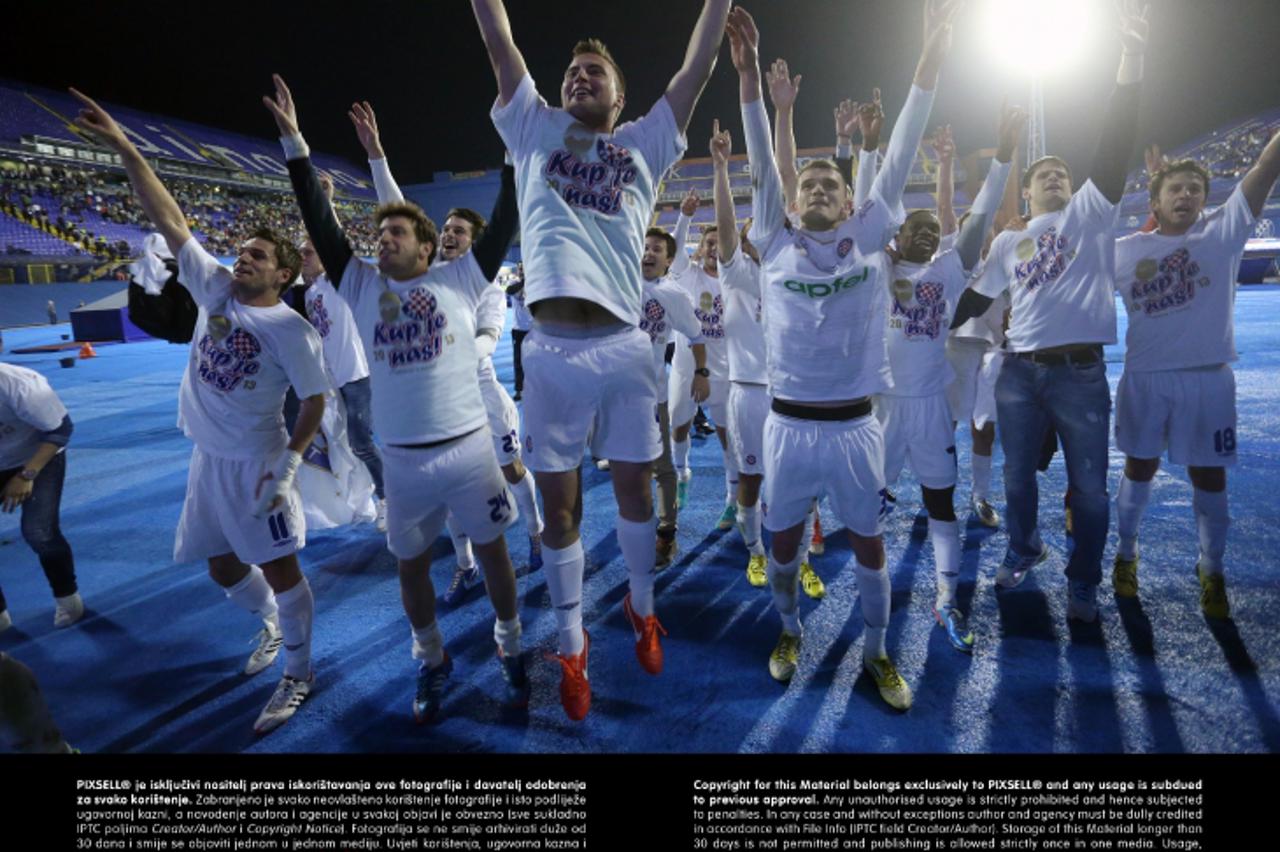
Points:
(1060, 273)
(331, 316)
(922, 300)
(419, 338)
(743, 319)
(667, 308)
(491, 313)
(1181, 291)
(704, 294)
(242, 360)
(28, 409)
(824, 293)
(585, 198)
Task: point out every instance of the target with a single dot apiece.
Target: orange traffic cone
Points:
(86, 351)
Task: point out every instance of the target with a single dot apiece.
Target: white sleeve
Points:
(517, 120)
(992, 192)
(868, 161)
(208, 281)
(386, 186)
(36, 404)
(741, 273)
(990, 278)
(1233, 221)
(656, 137)
(679, 307)
(768, 211)
(486, 343)
(302, 358)
(680, 263)
(491, 313)
(901, 153)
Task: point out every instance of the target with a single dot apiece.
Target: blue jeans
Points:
(356, 396)
(1076, 401)
(40, 526)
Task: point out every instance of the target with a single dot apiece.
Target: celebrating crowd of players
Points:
(835, 338)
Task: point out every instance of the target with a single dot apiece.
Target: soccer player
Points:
(1178, 391)
(701, 281)
(667, 309)
(739, 266)
(824, 305)
(914, 414)
(462, 229)
(587, 188)
(1060, 276)
(416, 320)
(34, 431)
(242, 509)
(344, 360)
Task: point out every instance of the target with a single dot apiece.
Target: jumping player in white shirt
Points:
(739, 264)
(701, 281)
(587, 188)
(824, 309)
(1177, 392)
(462, 228)
(416, 320)
(668, 310)
(242, 509)
(926, 283)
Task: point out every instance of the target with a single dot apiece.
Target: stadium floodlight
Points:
(1040, 37)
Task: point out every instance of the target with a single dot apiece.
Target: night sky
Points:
(424, 68)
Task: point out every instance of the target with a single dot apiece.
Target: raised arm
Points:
(1120, 125)
(322, 225)
(504, 221)
(366, 124)
(945, 149)
(688, 206)
(870, 118)
(783, 91)
(908, 130)
(768, 207)
(726, 224)
(504, 56)
(973, 234)
(157, 203)
(699, 58)
(1259, 180)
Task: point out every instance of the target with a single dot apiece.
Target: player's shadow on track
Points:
(1153, 692)
(1246, 672)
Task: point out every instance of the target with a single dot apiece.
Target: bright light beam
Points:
(1041, 37)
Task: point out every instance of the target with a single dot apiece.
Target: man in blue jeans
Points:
(34, 430)
(1060, 275)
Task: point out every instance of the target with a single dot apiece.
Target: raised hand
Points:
(1013, 120)
(846, 116)
(938, 18)
(782, 88)
(721, 146)
(744, 40)
(1155, 159)
(944, 146)
(1133, 26)
(871, 121)
(689, 204)
(281, 107)
(98, 122)
(366, 124)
